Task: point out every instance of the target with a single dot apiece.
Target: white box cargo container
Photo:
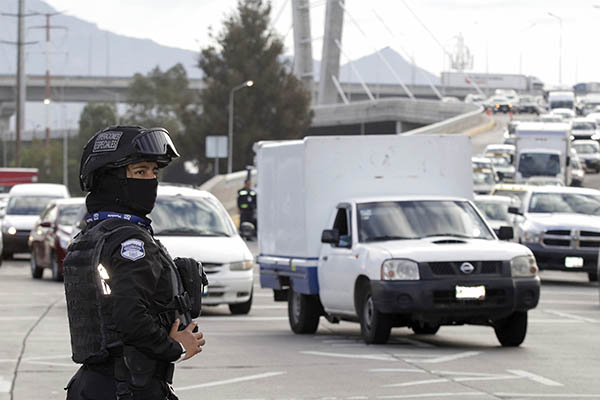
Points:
(301, 182)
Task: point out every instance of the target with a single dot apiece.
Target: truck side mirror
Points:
(331, 236)
(506, 233)
(514, 210)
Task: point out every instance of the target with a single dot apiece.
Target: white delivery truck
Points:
(542, 149)
(381, 230)
(561, 99)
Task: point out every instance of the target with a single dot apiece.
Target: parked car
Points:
(495, 210)
(52, 234)
(25, 203)
(193, 223)
(561, 226)
(589, 153)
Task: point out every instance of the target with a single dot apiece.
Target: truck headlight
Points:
(523, 266)
(532, 237)
(400, 269)
(11, 230)
(241, 265)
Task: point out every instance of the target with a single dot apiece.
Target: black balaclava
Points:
(113, 191)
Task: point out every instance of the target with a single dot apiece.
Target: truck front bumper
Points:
(554, 258)
(435, 300)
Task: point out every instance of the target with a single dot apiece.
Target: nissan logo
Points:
(467, 268)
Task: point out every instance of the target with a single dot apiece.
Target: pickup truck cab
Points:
(354, 229)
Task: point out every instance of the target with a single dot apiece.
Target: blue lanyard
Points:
(102, 215)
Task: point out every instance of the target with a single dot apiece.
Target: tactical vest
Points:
(92, 328)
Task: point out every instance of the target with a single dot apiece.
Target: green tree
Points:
(47, 159)
(276, 107)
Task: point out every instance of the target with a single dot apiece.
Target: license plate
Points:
(574, 262)
(470, 292)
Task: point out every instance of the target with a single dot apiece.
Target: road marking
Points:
(228, 318)
(460, 373)
(419, 371)
(379, 357)
(534, 377)
(415, 383)
(549, 395)
(228, 381)
(4, 385)
(451, 357)
(571, 316)
(438, 395)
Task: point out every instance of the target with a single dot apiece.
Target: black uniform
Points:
(123, 290)
(247, 205)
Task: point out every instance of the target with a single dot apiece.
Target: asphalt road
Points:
(258, 357)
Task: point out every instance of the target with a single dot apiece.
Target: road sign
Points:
(216, 147)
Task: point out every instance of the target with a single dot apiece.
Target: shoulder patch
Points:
(133, 249)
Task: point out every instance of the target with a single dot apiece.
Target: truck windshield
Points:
(583, 126)
(483, 177)
(585, 148)
(189, 216)
(539, 164)
(494, 211)
(570, 203)
(397, 220)
(27, 205)
(561, 104)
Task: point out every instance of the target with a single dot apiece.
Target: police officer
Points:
(247, 203)
(128, 313)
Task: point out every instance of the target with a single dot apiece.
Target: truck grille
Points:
(573, 239)
(446, 268)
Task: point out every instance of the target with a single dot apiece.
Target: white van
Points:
(25, 203)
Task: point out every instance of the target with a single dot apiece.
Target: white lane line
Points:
(461, 373)
(571, 316)
(488, 378)
(228, 381)
(4, 385)
(378, 357)
(554, 321)
(251, 319)
(7, 360)
(534, 377)
(438, 395)
(418, 371)
(549, 395)
(415, 383)
(451, 357)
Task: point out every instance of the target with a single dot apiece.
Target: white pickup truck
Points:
(381, 230)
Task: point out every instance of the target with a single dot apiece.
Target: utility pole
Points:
(48, 97)
(21, 85)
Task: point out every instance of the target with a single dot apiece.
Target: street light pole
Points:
(230, 134)
(559, 47)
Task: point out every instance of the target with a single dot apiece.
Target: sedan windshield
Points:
(539, 164)
(570, 203)
(190, 216)
(27, 205)
(397, 220)
(585, 148)
(583, 126)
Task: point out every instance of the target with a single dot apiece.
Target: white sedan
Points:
(193, 223)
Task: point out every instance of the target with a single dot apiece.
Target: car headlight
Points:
(11, 230)
(532, 237)
(400, 269)
(241, 265)
(523, 266)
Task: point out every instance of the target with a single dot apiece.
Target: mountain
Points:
(83, 48)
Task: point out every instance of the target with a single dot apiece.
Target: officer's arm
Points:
(134, 275)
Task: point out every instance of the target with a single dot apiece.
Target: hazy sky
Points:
(505, 36)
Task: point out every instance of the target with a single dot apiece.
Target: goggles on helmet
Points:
(155, 141)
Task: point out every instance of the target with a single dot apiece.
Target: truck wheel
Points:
(36, 272)
(303, 312)
(593, 276)
(423, 328)
(241, 308)
(512, 330)
(375, 327)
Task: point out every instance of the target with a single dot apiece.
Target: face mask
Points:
(142, 194)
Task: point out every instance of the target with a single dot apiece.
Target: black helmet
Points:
(117, 146)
